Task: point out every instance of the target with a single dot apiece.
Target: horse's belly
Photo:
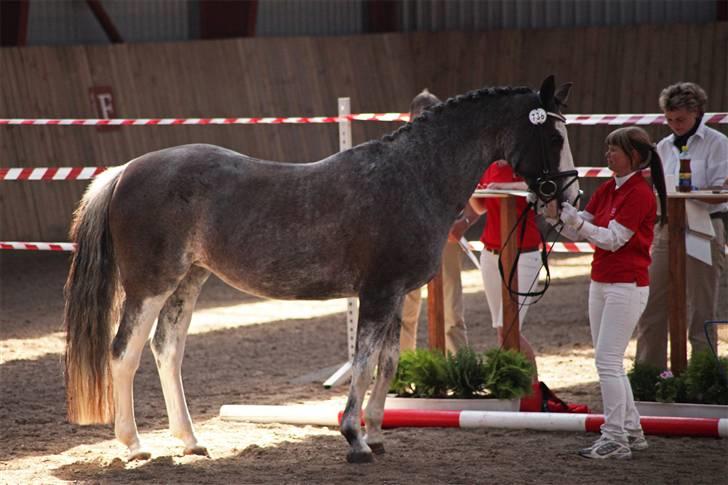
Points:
(294, 284)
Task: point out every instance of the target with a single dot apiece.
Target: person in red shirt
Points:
(500, 175)
(619, 220)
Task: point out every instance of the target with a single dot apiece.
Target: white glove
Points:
(569, 215)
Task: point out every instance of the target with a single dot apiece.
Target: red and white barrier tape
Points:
(38, 246)
(50, 173)
(559, 247)
(575, 119)
(86, 173)
(203, 121)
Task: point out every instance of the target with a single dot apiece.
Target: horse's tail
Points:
(92, 306)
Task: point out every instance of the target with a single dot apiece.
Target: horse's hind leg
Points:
(168, 347)
(386, 368)
(134, 329)
(375, 316)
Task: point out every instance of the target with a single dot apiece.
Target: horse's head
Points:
(540, 151)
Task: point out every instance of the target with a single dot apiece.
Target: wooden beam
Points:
(13, 23)
(721, 10)
(106, 23)
(381, 16)
(220, 19)
(436, 313)
(677, 306)
(511, 329)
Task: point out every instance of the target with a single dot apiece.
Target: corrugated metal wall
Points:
(63, 22)
(311, 17)
(478, 15)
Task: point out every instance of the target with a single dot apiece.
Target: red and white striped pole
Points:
(419, 418)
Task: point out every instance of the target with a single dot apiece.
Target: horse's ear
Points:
(546, 93)
(562, 94)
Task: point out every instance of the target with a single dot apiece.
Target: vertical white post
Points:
(352, 306)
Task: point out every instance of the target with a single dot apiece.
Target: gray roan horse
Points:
(368, 222)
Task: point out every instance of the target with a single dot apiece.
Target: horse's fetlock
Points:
(350, 433)
(127, 437)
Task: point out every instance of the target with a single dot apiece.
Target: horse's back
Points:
(264, 227)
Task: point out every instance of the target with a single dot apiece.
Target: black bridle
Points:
(545, 190)
(546, 187)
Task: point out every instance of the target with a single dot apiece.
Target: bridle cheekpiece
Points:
(546, 187)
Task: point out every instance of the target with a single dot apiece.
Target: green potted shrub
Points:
(494, 380)
(421, 373)
(700, 391)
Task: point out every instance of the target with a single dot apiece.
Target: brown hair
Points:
(633, 138)
(684, 95)
(422, 101)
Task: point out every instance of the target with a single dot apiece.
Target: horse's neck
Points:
(454, 146)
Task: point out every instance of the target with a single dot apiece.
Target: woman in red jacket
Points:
(500, 175)
(619, 220)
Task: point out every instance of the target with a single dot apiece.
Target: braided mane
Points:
(450, 103)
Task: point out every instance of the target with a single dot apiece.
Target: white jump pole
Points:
(418, 418)
(352, 304)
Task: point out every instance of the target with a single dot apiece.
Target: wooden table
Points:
(677, 293)
(435, 307)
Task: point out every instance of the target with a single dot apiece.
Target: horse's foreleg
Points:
(374, 316)
(136, 324)
(386, 368)
(168, 347)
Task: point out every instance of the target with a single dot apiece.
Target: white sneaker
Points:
(638, 443)
(604, 448)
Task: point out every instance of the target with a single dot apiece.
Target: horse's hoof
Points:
(359, 457)
(197, 450)
(377, 448)
(139, 455)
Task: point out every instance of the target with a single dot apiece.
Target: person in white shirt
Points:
(684, 105)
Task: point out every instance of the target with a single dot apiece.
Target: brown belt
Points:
(524, 250)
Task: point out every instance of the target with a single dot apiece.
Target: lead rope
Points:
(545, 252)
(537, 117)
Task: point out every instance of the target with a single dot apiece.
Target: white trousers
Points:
(529, 265)
(614, 309)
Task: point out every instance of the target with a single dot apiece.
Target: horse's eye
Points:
(557, 140)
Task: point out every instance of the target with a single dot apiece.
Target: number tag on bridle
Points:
(537, 116)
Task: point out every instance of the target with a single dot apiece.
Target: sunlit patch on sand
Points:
(260, 312)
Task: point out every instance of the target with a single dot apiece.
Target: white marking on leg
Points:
(360, 381)
(123, 370)
(374, 414)
(169, 363)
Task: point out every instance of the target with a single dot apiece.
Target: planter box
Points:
(681, 410)
(393, 402)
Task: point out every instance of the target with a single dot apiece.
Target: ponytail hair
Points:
(635, 138)
(658, 181)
